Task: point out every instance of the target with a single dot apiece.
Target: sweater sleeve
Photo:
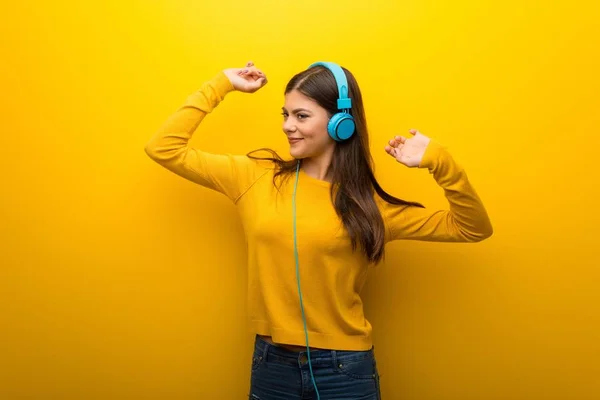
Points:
(226, 173)
(466, 219)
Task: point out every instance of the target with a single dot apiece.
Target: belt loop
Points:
(334, 358)
(266, 348)
(299, 359)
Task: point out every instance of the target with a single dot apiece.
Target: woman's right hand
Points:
(248, 79)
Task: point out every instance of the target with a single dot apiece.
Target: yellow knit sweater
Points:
(331, 275)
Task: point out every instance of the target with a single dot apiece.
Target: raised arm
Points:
(466, 219)
(225, 173)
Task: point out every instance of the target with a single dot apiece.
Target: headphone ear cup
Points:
(341, 126)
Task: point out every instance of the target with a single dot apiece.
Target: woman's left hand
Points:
(408, 151)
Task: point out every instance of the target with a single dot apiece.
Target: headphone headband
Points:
(343, 102)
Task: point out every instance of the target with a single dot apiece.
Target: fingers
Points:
(248, 68)
(257, 75)
(397, 141)
(400, 139)
(252, 71)
(392, 151)
(260, 82)
(395, 145)
(257, 78)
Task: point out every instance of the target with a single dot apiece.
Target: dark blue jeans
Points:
(282, 374)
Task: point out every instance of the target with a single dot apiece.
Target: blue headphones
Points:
(341, 125)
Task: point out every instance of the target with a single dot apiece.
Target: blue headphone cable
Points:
(298, 278)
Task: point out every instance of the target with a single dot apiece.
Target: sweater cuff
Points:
(222, 84)
(432, 154)
(210, 93)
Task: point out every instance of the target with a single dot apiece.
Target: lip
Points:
(294, 140)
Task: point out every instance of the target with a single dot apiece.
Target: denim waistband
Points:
(282, 355)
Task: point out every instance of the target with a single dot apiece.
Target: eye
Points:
(300, 116)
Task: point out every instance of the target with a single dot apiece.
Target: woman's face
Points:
(305, 125)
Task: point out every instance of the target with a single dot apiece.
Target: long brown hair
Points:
(353, 180)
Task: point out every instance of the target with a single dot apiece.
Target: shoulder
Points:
(250, 168)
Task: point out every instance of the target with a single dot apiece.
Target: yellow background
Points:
(120, 280)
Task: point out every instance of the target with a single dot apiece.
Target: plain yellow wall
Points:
(120, 280)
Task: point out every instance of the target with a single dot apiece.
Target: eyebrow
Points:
(296, 110)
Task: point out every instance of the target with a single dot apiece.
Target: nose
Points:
(288, 126)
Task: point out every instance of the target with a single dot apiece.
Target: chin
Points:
(298, 154)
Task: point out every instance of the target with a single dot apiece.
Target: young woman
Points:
(315, 223)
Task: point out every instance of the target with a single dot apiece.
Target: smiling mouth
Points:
(294, 140)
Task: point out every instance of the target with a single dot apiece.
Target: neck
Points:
(318, 167)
